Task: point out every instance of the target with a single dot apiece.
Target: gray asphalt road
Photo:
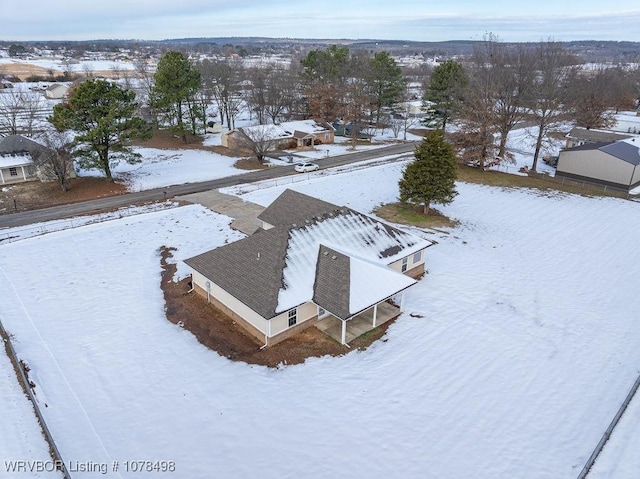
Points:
(111, 202)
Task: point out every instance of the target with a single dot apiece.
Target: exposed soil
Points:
(34, 194)
(220, 333)
(413, 215)
(25, 70)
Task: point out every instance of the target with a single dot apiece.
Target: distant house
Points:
(57, 91)
(17, 161)
(290, 134)
(349, 128)
(312, 261)
(609, 164)
(579, 136)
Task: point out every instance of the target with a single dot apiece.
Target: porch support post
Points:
(344, 331)
(2, 177)
(375, 314)
(402, 301)
(24, 173)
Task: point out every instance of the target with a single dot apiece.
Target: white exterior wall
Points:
(280, 323)
(595, 164)
(241, 309)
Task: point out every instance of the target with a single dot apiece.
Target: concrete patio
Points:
(358, 325)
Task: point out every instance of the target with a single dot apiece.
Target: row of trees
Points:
(499, 86)
(502, 85)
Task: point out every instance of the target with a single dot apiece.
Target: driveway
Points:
(244, 213)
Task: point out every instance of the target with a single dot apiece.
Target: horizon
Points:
(410, 21)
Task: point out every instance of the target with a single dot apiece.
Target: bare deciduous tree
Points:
(259, 139)
(550, 93)
(56, 161)
(19, 111)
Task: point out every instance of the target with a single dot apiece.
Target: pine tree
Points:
(431, 177)
(103, 116)
(176, 84)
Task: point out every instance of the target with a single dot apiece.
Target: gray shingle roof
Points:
(292, 207)
(596, 136)
(280, 268)
(250, 269)
(15, 144)
(331, 291)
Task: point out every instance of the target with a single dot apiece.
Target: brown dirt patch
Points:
(220, 333)
(412, 215)
(34, 194)
(25, 70)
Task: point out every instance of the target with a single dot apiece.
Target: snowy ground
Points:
(171, 167)
(21, 438)
(521, 144)
(517, 355)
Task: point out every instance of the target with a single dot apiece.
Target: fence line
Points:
(607, 434)
(24, 381)
(15, 234)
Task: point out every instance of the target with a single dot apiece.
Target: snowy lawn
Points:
(521, 143)
(21, 438)
(171, 167)
(522, 343)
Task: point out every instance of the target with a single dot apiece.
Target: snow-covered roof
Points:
(17, 150)
(352, 233)
(15, 160)
(286, 129)
(283, 267)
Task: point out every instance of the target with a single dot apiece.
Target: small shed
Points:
(57, 91)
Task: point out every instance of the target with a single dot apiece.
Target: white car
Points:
(305, 167)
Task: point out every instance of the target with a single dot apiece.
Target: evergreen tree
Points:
(446, 89)
(431, 177)
(386, 82)
(176, 85)
(103, 117)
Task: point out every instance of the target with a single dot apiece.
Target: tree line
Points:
(486, 94)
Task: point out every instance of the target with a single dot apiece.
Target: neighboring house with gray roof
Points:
(610, 164)
(579, 136)
(18, 161)
(334, 262)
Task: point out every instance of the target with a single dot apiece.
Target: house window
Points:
(417, 257)
(404, 264)
(321, 312)
(293, 317)
(13, 171)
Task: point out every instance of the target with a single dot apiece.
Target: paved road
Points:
(111, 202)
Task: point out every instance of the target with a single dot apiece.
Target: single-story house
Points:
(57, 91)
(610, 164)
(311, 260)
(17, 165)
(290, 134)
(579, 136)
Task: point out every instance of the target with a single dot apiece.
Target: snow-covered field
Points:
(513, 355)
(171, 167)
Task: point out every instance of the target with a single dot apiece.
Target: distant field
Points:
(24, 70)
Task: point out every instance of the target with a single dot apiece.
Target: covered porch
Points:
(345, 331)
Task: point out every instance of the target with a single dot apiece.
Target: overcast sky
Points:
(421, 20)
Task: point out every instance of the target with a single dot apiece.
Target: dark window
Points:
(293, 317)
(13, 171)
(404, 264)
